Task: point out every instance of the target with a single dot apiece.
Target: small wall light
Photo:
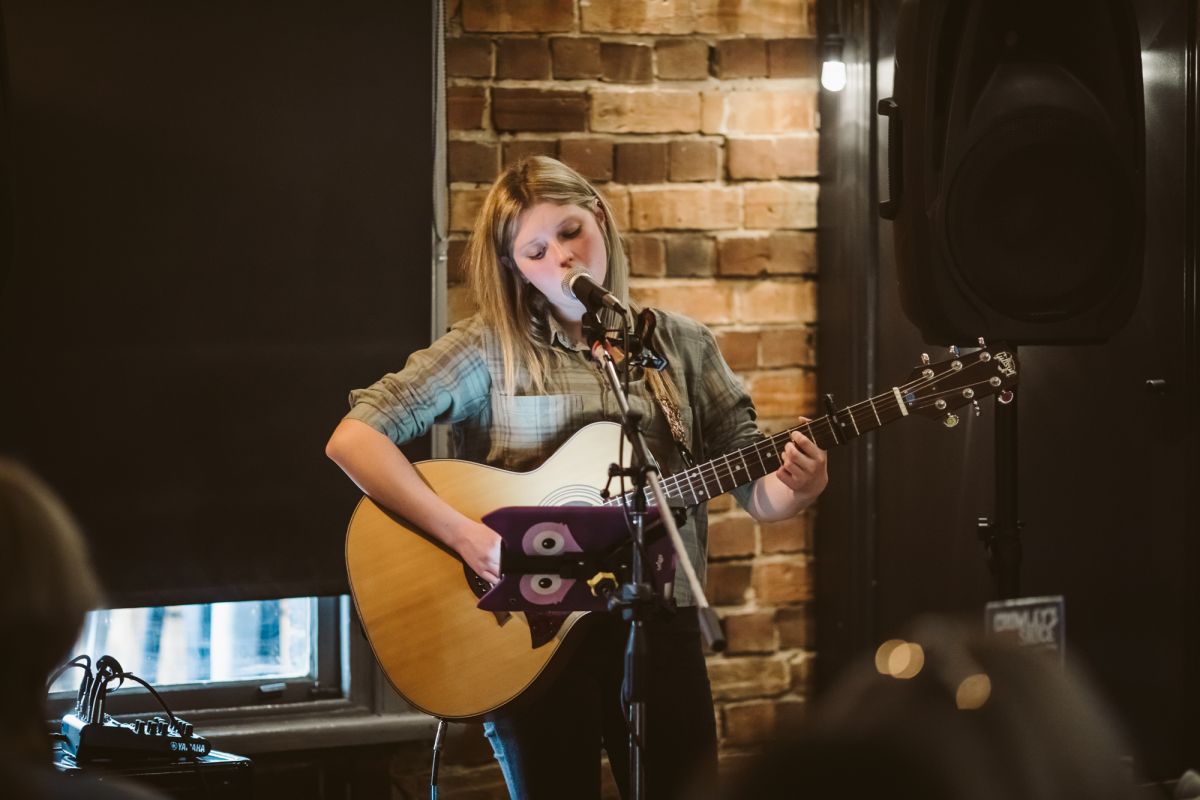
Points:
(833, 68)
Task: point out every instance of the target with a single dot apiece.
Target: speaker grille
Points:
(1040, 216)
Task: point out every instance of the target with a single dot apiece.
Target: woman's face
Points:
(552, 239)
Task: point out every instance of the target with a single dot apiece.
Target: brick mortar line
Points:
(621, 137)
(455, 28)
(733, 327)
(622, 37)
(769, 558)
(788, 695)
(668, 283)
(587, 84)
(642, 188)
(773, 370)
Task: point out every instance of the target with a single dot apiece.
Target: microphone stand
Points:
(636, 598)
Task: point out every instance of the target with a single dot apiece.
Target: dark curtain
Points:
(220, 223)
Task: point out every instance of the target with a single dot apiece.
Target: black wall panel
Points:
(221, 224)
(1106, 461)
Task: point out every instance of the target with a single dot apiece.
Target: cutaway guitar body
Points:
(441, 653)
(454, 661)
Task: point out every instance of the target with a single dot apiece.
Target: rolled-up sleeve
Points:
(727, 415)
(445, 383)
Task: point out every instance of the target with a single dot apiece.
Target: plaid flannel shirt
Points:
(457, 381)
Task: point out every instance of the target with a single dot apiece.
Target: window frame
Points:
(351, 701)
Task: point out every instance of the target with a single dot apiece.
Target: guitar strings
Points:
(778, 441)
(712, 471)
(824, 424)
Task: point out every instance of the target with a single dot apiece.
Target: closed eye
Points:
(567, 234)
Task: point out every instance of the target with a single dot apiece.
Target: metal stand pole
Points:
(1004, 551)
(1002, 536)
(636, 597)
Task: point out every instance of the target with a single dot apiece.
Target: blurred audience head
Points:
(47, 589)
(947, 715)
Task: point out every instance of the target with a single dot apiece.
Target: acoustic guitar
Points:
(417, 600)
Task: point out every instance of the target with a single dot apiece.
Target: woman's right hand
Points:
(385, 475)
(479, 547)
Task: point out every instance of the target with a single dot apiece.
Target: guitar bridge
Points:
(480, 587)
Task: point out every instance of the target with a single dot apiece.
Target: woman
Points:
(516, 380)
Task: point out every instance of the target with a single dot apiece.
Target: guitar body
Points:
(442, 654)
(451, 660)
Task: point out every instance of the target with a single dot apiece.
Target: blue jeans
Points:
(549, 746)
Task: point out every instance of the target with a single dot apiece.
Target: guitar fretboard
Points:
(702, 482)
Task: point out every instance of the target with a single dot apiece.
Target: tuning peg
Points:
(951, 420)
(982, 343)
(954, 350)
(925, 359)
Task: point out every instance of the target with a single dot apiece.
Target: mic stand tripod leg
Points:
(633, 691)
(1004, 537)
(635, 600)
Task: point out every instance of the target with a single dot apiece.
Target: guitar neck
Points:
(702, 482)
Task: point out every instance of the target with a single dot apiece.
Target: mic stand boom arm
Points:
(710, 626)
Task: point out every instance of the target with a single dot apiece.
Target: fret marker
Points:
(900, 402)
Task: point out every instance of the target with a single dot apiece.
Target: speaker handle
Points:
(887, 107)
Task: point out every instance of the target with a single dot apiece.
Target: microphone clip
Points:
(640, 354)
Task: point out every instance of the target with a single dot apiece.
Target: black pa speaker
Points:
(1016, 168)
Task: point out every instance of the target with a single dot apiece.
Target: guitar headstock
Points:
(935, 390)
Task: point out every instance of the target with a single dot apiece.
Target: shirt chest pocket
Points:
(527, 429)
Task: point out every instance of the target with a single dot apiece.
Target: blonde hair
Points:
(514, 309)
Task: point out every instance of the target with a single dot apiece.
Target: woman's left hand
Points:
(804, 466)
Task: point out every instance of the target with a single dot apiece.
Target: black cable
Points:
(635, 542)
(83, 662)
(170, 715)
(192, 757)
(86, 666)
(621, 449)
(93, 689)
(438, 736)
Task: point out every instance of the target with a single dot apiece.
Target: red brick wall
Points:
(697, 120)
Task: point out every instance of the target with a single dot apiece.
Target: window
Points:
(219, 654)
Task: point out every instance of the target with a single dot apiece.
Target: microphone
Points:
(580, 285)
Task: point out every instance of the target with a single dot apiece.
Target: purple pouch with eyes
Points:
(539, 542)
